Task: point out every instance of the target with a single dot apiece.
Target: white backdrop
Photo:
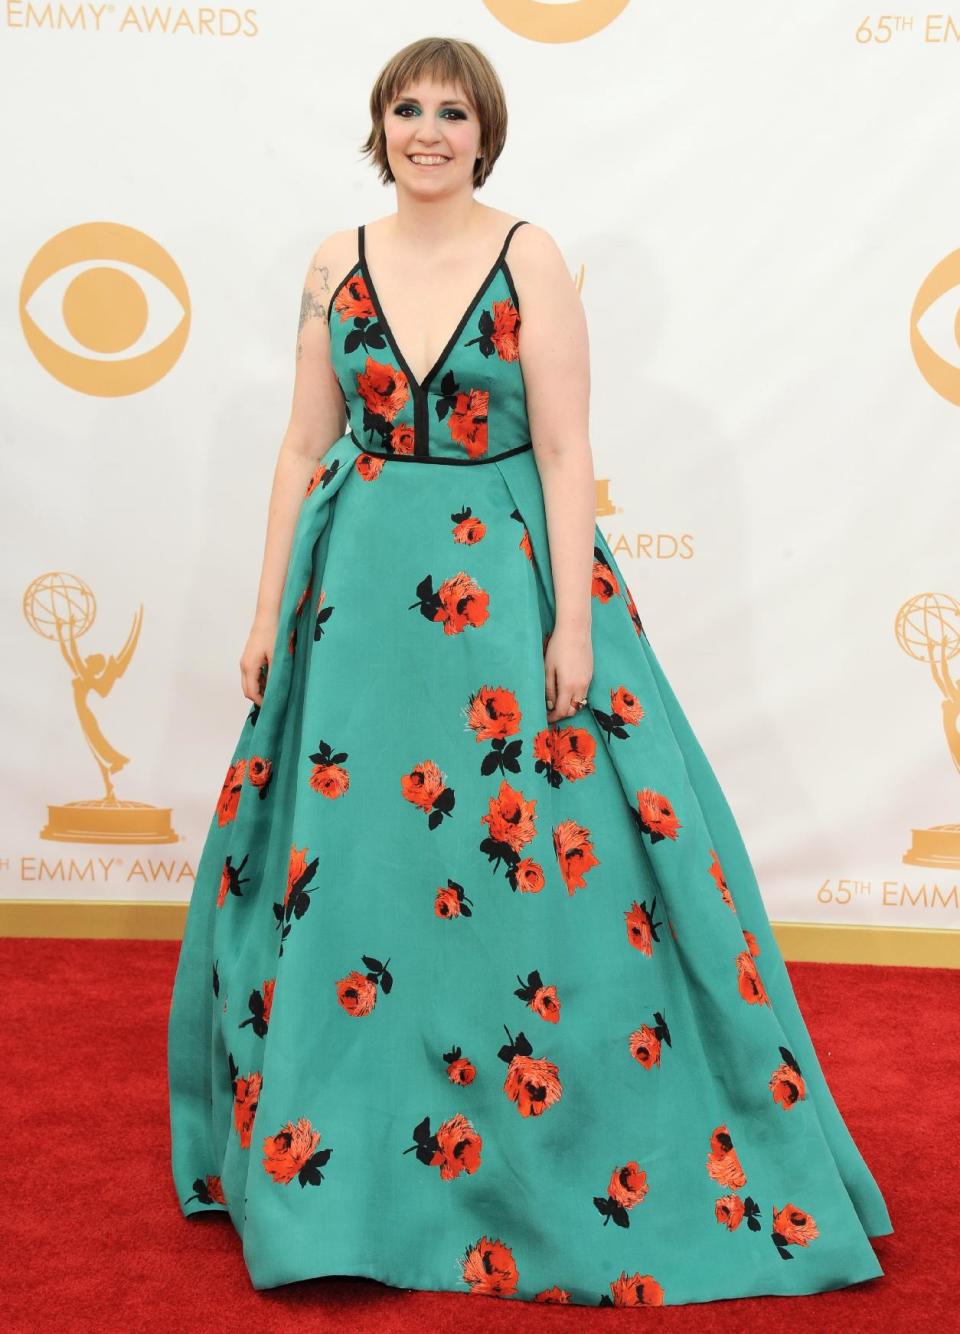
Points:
(756, 201)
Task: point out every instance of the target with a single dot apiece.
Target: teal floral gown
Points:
(466, 1000)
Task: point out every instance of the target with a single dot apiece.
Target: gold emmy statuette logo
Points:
(62, 607)
(104, 309)
(928, 628)
(605, 505)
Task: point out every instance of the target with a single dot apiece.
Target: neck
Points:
(420, 224)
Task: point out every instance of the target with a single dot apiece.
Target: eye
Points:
(453, 112)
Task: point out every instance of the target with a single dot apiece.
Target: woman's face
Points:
(431, 120)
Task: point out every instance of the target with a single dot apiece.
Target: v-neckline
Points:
(421, 386)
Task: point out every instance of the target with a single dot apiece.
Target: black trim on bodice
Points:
(420, 389)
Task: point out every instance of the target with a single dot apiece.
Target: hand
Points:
(568, 669)
(257, 656)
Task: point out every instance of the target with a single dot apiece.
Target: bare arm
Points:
(554, 356)
(317, 419)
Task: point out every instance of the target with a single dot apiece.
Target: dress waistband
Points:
(438, 458)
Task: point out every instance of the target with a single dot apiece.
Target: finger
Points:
(550, 686)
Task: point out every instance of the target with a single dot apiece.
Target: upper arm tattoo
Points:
(311, 306)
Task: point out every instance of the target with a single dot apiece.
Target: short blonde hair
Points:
(445, 60)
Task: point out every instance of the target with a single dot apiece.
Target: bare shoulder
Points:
(535, 259)
(331, 261)
(546, 291)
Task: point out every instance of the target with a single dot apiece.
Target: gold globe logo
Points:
(108, 282)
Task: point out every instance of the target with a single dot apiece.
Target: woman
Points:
(476, 964)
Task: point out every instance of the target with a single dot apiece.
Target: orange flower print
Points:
(259, 773)
(720, 881)
(730, 1210)
(401, 438)
(468, 421)
(605, 584)
(752, 945)
(510, 817)
(292, 1152)
(383, 388)
(357, 992)
(488, 1268)
(786, 1083)
(634, 614)
(493, 713)
(229, 797)
(533, 1084)
(528, 876)
(498, 331)
(544, 1001)
(564, 753)
(511, 821)
(635, 1290)
(792, 1227)
(322, 475)
(296, 900)
(246, 1096)
(723, 1165)
(655, 815)
(260, 1004)
(328, 776)
(646, 1043)
(554, 1295)
(450, 901)
(454, 1148)
(459, 1069)
(353, 301)
(369, 466)
(574, 850)
(425, 786)
(625, 711)
(468, 529)
(641, 928)
(456, 604)
(231, 879)
(208, 1190)
(628, 1186)
(748, 979)
(526, 547)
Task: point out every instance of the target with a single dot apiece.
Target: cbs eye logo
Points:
(87, 299)
(940, 320)
(570, 22)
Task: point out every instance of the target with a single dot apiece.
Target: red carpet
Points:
(95, 1239)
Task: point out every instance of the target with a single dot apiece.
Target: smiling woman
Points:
(476, 963)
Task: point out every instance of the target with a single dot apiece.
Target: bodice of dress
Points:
(470, 407)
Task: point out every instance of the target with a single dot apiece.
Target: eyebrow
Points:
(447, 101)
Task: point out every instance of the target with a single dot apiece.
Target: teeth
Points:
(422, 157)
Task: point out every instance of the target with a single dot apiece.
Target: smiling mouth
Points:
(437, 160)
